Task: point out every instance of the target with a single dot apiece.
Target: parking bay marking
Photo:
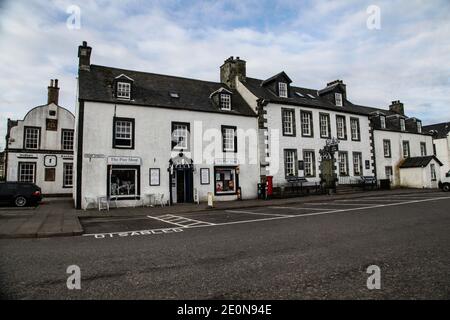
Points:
(180, 221)
(299, 208)
(258, 213)
(275, 217)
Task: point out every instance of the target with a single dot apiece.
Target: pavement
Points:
(311, 250)
(56, 217)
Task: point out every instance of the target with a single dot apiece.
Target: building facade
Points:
(141, 135)
(39, 148)
(397, 138)
(295, 124)
(441, 144)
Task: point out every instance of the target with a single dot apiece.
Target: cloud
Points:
(313, 41)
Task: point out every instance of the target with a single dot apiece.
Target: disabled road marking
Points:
(180, 221)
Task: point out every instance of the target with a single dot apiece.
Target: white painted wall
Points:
(396, 139)
(153, 146)
(49, 141)
(316, 143)
(443, 153)
(419, 177)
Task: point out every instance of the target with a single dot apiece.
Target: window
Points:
(50, 174)
(343, 163)
(434, 149)
(402, 125)
(423, 149)
(124, 182)
(406, 152)
(338, 99)
(325, 130)
(225, 181)
(282, 90)
(67, 175)
(357, 164)
(225, 101)
(383, 122)
(180, 136)
(387, 148)
(67, 139)
(300, 95)
(309, 163)
(354, 127)
(229, 139)
(419, 126)
(389, 173)
(288, 118)
(124, 90)
(433, 172)
(307, 129)
(310, 95)
(123, 133)
(290, 163)
(32, 137)
(27, 172)
(341, 127)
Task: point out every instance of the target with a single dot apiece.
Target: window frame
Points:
(222, 99)
(313, 163)
(25, 128)
(391, 176)
(358, 155)
(283, 87)
(390, 149)
(423, 147)
(294, 164)
(347, 173)
(137, 188)
(64, 175)
(406, 143)
(19, 169)
(358, 129)
(311, 123)
(236, 181)
(419, 126)
(223, 129)
(123, 83)
(433, 172)
(383, 122)
(344, 128)
(63, 131)
(338, 97)
(132, 133)
(328, 117)
(188, 140)
(284, 111)
(402, 125)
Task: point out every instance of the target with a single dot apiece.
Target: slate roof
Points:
(153, 90)
(442, 129)
(255, 86)
(418, 162)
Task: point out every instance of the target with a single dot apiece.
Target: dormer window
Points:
(338, 99)
(402, 124)
(419, 126)
(383, 122)
(282, 90)
(225, 101)
(124, 90)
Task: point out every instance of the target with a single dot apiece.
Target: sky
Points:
(382, 50)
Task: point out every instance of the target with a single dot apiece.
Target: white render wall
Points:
(153, 146)
(316, 143)
(396, 139)
(443, 154)
(419, 177)
(50, 141)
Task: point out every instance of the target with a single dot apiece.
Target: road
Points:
(308, 251)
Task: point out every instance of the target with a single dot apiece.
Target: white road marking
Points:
(278, 217)
(341, 204)
(180, 221)
(259, 213)
(111, 220)
(368, 199)
(298, 208)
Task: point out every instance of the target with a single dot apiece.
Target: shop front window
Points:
(225, 181)
(124, 182)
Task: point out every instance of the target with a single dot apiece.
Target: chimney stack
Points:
(53, 92)
(397, 107)
(231, 69)
(84, 57)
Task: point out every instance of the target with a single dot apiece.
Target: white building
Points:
(140, 134)
(397, 138)
(295, 124)
(441, 141)
(39, 148)
(420, 172)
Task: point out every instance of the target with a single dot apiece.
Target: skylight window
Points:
(174, 95)
(311, 96)
(299, 94)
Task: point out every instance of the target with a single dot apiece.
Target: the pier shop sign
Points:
(129, 161)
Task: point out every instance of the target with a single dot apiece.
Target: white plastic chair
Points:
(89, 201)
(160, 200)
(103, 203)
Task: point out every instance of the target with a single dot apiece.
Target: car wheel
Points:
(446, 187)
(20, 201)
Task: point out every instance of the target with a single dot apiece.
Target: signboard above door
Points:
(134, 161)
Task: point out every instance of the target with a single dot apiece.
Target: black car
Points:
(20, 194)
